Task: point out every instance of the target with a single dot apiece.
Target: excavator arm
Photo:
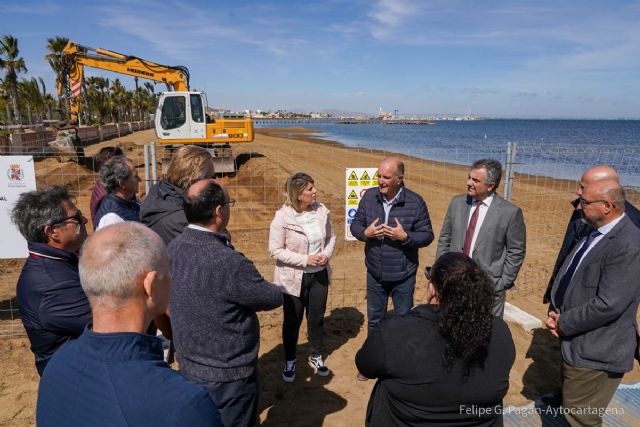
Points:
(75, 57)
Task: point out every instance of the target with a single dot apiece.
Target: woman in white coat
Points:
(301, 239)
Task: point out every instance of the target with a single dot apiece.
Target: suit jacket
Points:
(576, 230)
(501, 243)
(598, 314)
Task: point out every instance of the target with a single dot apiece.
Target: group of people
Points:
(87, 303)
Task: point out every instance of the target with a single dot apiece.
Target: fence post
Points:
(146, 169)
(510, 167)
(154, 175)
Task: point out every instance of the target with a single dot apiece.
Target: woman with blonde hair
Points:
(301, 239)
(162, 209)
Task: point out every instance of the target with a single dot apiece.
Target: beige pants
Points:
(586, 393)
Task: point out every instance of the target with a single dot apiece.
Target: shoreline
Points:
(300, 133)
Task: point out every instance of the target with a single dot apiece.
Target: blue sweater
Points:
(128, 210)
(119, 379)
(53, 306)
(389, 260)
(215, 293)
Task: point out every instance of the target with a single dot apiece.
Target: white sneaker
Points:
(318, 366)
(289, 371)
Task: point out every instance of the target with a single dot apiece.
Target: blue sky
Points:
(498, 58)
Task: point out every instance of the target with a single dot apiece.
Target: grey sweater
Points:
(215, 294)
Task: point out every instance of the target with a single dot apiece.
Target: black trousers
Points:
(313, 298)
(237, 400)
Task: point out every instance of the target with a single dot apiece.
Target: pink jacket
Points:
(288, 245)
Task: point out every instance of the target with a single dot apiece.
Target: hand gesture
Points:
(374, 230)
(313, 260)
(552, 323)
(395, 233)
(322, 259)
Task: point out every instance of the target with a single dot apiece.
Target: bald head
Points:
(207, 204)
(600, 173)
(116, 258)
(393, 164)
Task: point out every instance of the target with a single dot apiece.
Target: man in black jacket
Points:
(53, 306)
(577, 227)
(394, 223)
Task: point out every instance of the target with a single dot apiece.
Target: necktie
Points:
(471, 229)
(564, 282)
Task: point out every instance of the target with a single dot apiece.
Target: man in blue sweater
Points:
(216, 293)
(113, 374)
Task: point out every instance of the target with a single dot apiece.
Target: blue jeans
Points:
(378, 295)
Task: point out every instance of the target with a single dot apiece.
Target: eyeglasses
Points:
(230, 202)
(427, 273)
(77, 217)
(585, 202)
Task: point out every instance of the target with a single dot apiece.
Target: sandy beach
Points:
(338, 400)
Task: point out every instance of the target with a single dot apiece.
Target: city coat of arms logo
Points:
(15, 172)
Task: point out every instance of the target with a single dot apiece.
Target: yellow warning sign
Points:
(364, 177)
(353, 183)
(365, 183)
(375, 176)
(352, 176)
(353, 195)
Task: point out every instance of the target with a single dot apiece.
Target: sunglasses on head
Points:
(427, 273)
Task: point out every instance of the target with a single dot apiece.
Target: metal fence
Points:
(266, 163)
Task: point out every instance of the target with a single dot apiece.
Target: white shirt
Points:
(109, 219)
(603, 232)
(387, 205)
(309, 223)
(199, 227)
(484, 207)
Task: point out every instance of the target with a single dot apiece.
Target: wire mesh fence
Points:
(543, 185)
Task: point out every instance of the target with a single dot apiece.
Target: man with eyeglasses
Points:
(593, 304)
(53, 306)
(577, 228)
(215, 295)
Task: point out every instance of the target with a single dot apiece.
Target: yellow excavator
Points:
(181, 115)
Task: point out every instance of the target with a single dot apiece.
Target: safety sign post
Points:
(357, 182)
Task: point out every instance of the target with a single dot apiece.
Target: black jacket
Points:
(53, 306)
(415, 389)
(388, 260)
(163, 212)
(576, 230)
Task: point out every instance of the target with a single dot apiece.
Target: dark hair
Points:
(36, 209)
(494, 170)
(114, 172)
(465, 295)
(106, 153)
(199, 208)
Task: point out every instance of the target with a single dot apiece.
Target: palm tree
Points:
(117, 99)
(97, 97)
(10, 61)
(34, 99)
(55, 46)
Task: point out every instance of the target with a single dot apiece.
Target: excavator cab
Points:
(181, 118)
(180, 115)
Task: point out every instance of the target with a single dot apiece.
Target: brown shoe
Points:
(361, 377)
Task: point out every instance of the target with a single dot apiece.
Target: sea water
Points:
(556, 148)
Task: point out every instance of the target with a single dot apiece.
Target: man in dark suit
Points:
(577, 227)
(487, 228)
(594, 300)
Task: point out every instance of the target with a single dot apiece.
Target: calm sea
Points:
(557, 148)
